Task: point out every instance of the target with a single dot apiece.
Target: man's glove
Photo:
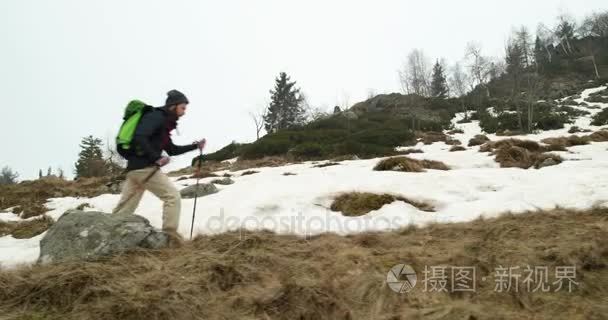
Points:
(162, 161)
(201, 143)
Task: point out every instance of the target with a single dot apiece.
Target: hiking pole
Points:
(142, 185)
(198, 178)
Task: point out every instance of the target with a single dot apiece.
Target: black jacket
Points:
(152, 136)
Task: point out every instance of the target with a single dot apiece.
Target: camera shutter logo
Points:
(401, 278)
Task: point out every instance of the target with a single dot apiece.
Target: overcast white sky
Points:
(68, 67)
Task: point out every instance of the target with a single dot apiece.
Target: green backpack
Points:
(133, 113)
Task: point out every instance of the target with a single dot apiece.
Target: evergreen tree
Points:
(439, 85)
(514, 59)
(49, 172)
(90, 159)
(40, 174)
(285, 108)
(8, 176)
(524, 43)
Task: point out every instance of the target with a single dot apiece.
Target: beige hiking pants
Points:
(160, 185)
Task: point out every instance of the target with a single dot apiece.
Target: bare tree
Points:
(114, 162)
(415, 74)
(258, 119)
(595, 25)
(318, 113)
(590, 55)
(565, 32)
(344, 100)
(533, 85)
(371, 93)
(547, 37)
(459, 82)
(497, 68)
(479, 65)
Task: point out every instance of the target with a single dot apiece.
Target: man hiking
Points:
(153, 136)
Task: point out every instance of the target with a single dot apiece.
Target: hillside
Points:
(261, 275)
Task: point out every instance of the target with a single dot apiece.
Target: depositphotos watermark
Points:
(402, 278)
(302, 224)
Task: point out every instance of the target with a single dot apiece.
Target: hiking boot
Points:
(175, 239)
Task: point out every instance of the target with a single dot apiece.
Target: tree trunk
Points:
(548, 53)
(597, 74)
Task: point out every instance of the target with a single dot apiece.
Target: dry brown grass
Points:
(518, 157)
(261, 275)
(258, 163)
(478, 140)
(505, 143)
(326, 164)
(399, 164)
(406, 164)
(209, 167)
(410, 150)
(515, 153)
(206, 166)
(82, 206)
(576, 129)
(203, 174)
(26, 229)
(598, 136)
(435, 165)
(457, 148)
(30, 196)
(453, 142)
(432, 137)
(565, 142)
(345, 158)
(455, 131)
(360, 203)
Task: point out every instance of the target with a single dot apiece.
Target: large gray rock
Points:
(90, 235)
(203, 189)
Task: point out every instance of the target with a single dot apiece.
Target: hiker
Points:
(152, 136)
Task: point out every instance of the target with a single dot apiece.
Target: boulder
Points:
(91, 235)
(203, 189)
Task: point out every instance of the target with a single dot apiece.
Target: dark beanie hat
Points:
(175, 97)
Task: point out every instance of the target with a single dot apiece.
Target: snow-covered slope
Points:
(299, 203)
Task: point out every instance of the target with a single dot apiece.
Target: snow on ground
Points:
(14, 252)
(298, 204)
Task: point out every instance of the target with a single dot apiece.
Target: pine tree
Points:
(49, 172)
(8, 176)
(285, 108)
(514, 59)
(439, 85)
(524, 43)
(40, 174)
(90, 159)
